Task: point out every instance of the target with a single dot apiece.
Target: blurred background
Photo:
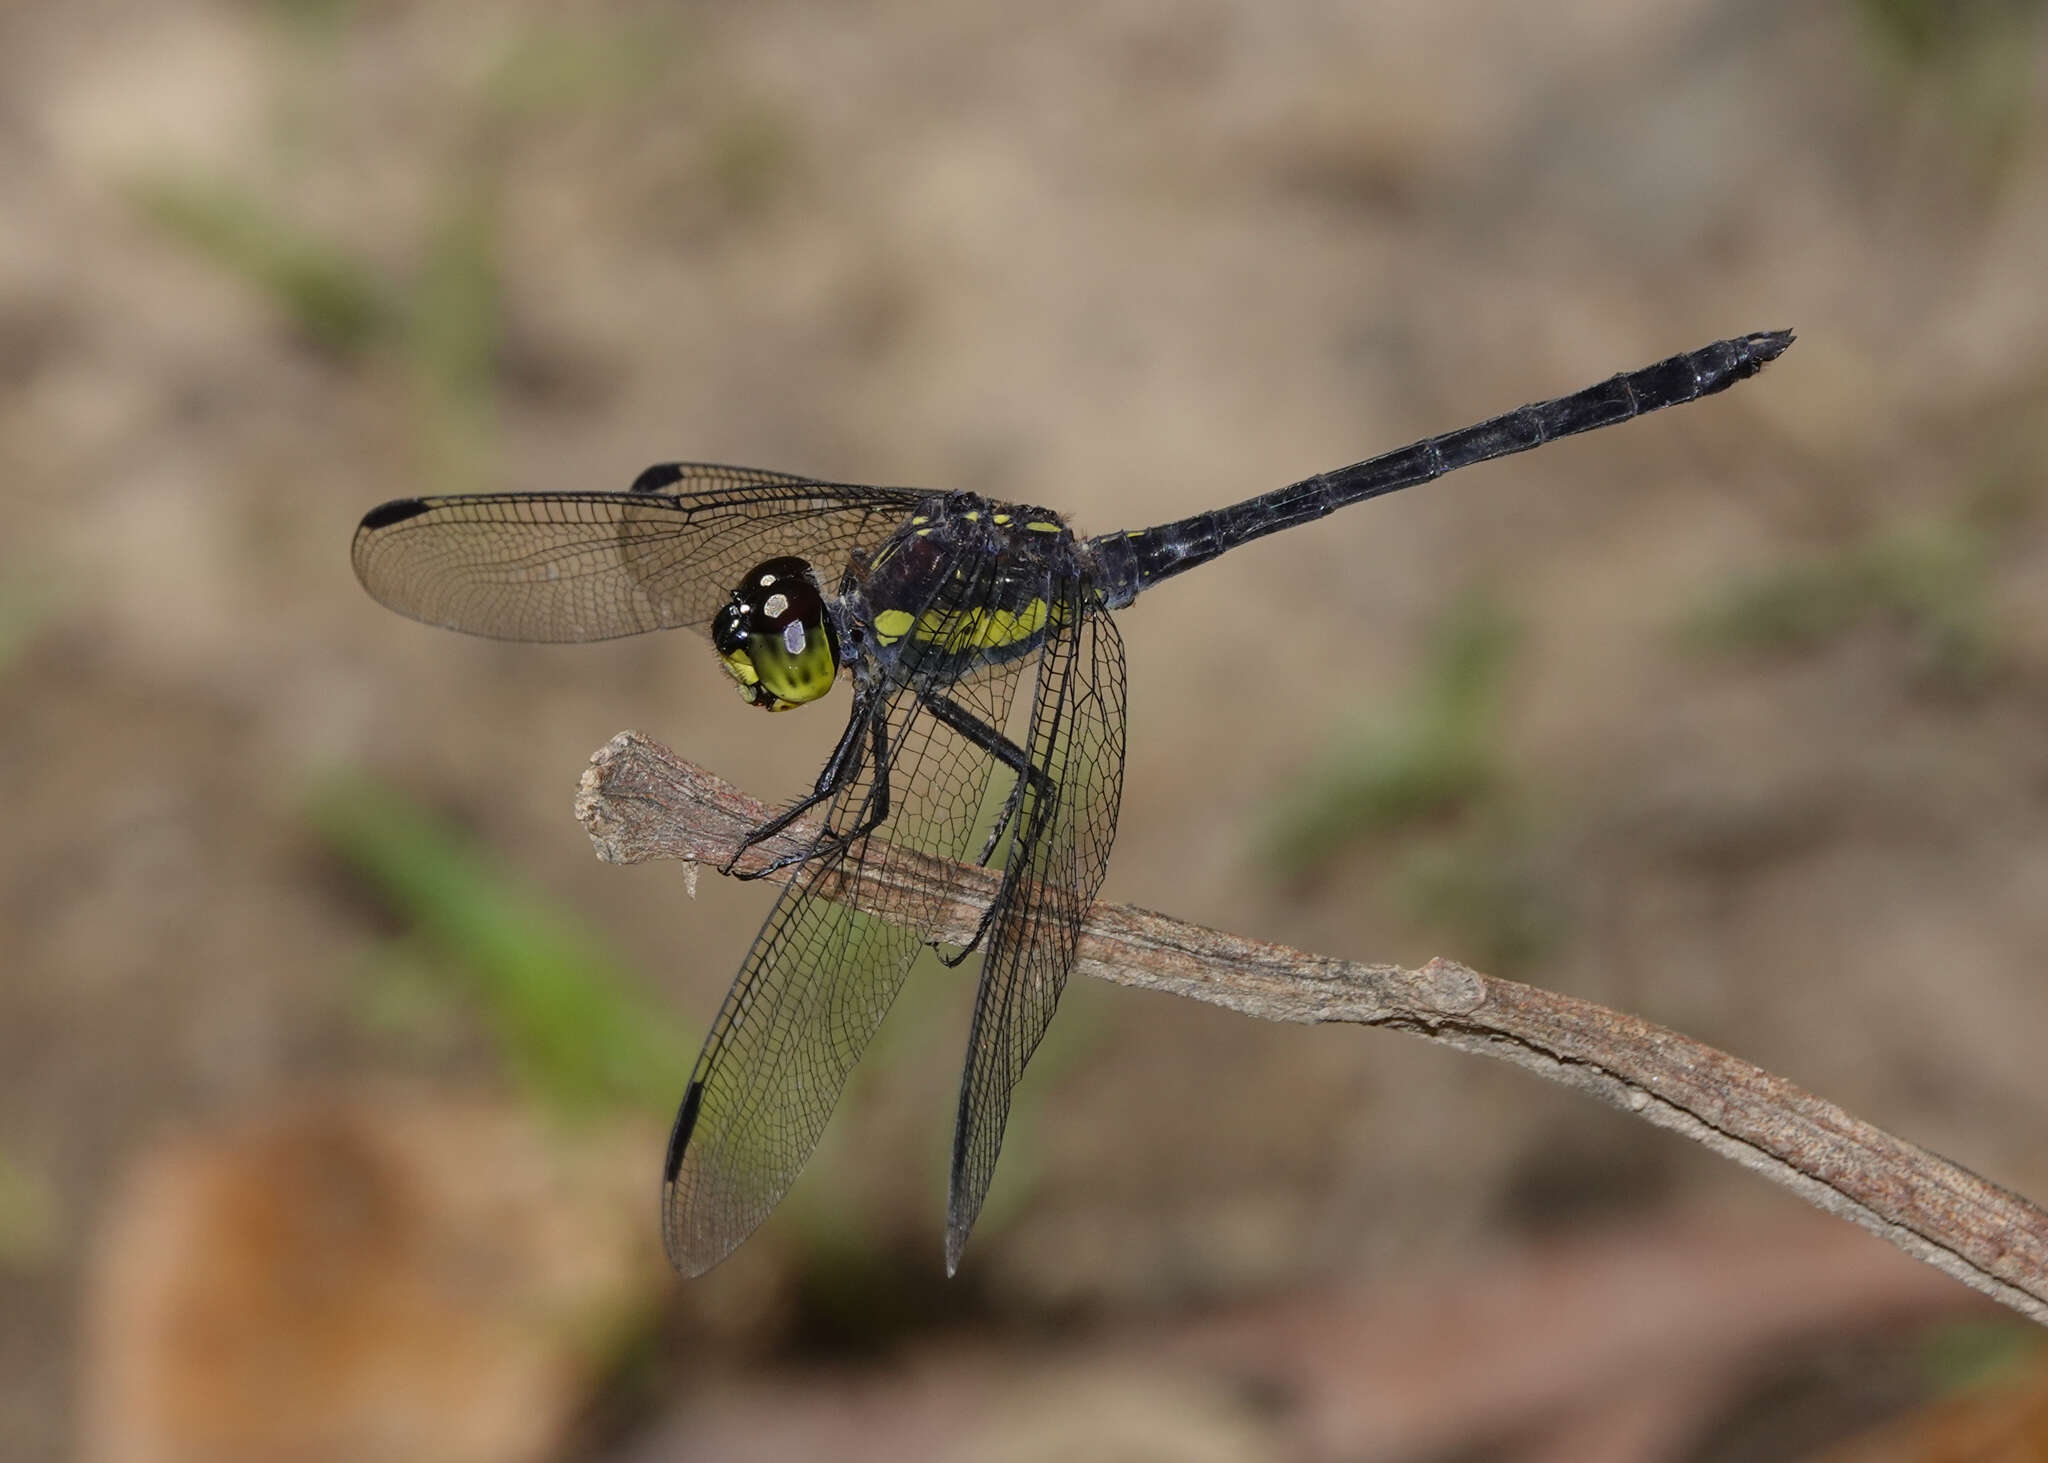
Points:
(334, 1070)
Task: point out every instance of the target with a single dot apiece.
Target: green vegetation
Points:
(1973, 58)
(30, 1217)
(332, 299)
(1434, 758)
(1429, 784)
(1069, 1042)
(550, 67)
(1964, 1355)
(413, 995)
(24, 605)
(569, 1022)
(750, 156)
(454, 339)
(1929, 577)
(446, 323)
(324, 16)
(1480, 883)
(443, 320)
(1924, 33)
(564, 1013)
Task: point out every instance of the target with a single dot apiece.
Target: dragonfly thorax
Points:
(775, 638)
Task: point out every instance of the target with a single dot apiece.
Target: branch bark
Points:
(640, 801)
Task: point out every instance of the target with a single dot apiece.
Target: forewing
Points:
(821, 975)
(593, 566)
(1056, 858)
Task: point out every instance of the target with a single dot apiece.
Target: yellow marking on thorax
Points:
(955, 631)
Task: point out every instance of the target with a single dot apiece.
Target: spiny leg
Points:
(840, 768)
(1029, 778)
(1012, 756)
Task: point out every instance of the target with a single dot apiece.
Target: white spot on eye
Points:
(775, 606)
(793, 636)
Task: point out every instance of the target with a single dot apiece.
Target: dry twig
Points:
(640, 801)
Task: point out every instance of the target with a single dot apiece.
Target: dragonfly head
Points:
(775, 638)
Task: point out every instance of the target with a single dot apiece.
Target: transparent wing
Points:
(821, 975)
(1058, 850)
(592, 566)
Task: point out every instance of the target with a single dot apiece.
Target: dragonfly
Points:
(986, 724)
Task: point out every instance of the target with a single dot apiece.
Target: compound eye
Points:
(775, 636)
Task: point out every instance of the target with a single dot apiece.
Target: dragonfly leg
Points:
(1030, 779)
(864, 731)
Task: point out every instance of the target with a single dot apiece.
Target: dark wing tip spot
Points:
(661, 475)
(679, 1135)
(396, 511)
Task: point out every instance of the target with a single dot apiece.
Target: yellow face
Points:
(775, 638)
